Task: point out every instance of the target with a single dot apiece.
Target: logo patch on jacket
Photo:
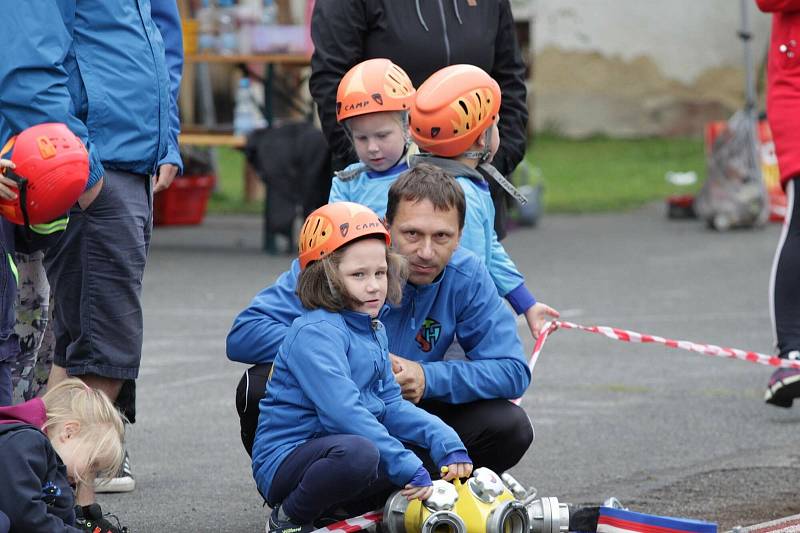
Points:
(428, 334)
(50, 491)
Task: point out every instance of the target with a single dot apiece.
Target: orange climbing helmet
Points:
(52, 169)
(372, 86)
(332, 226)
(452, 109)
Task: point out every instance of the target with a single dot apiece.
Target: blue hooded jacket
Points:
(461, 303)
(109, 70)
(331, 376)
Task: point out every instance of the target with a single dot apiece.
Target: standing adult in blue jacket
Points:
(449, 294)
(110, 71)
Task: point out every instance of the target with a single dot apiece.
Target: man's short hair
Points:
(427, 182)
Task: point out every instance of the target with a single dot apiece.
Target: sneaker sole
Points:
(783, 393)
(117, 484)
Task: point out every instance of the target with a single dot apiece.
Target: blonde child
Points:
(50, 444)
(372, 104)
(453, 120)
(330, 429)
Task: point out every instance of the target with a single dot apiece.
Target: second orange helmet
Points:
(452, 108)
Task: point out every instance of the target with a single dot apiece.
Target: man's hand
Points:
(8, 189)
(537, 315)
(166, 173)
(410, 377)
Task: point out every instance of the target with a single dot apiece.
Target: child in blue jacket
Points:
(453, 120)
(333, 422)
(372, 104)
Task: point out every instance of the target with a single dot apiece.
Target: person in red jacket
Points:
(783, 110)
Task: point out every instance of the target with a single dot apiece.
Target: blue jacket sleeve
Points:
(479, 238)
(21, 495)
(260, 329)
(411, 424)
(320, 366)
(167, 19)
(495, 365)
(33, 80)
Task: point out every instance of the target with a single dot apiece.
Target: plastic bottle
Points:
(246, 114)
(269, 13)
(206, 27)
(264, 31)
(227, 39)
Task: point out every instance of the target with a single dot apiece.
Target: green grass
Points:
(229, 195)
(590, 175)
(602, 174)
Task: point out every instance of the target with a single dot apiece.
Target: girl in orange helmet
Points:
(372, 104)
(327, 430)
(453, 120)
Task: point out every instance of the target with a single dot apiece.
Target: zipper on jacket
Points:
(444, 33)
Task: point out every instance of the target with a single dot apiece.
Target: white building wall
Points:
(633, 67)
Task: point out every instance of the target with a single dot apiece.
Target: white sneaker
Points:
(122, 481)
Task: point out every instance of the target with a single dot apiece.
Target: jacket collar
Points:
(362, 321)
(450, 166)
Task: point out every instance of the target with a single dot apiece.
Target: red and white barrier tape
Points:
(350, 525)
(633, 336)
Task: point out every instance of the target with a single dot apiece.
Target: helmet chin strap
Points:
(481, 155)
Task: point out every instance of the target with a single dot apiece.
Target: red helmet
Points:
(333, 225)
(372, 86)
(52, 169)
(452, 108)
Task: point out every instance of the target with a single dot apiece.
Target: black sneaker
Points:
(783, 387)
(91, 518)
(122, 481)
(276, 525)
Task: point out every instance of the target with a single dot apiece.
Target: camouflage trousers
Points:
(37, 341)
(34, 329)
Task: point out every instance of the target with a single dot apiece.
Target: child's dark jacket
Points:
(35, 493)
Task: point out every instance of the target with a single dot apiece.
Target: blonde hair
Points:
(101, 425)
(320, 284)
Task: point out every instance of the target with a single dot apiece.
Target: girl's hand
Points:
(411, 492)
(458, 470)
(537, 315)
(8, 189)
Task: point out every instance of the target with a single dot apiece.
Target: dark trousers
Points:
(785, 286)
(332, 471)
(497, 433)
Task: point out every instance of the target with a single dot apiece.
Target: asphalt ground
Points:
(666, 431)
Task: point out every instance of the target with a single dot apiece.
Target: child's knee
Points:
(359, 458)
